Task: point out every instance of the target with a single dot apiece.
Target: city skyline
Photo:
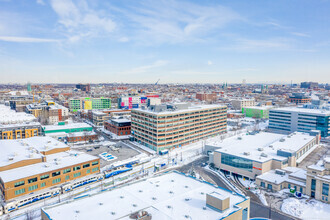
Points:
(68, 41)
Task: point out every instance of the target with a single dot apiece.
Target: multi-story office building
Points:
(309, 85)
(170, 196)
(238, 104)
(84, 87)
(318, 181)
(290, 119)
(166, 126)
(89, 103)
(131, 102)
(38, 163)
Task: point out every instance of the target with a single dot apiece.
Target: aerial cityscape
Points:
(167, 109)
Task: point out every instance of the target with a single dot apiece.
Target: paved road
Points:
(256, 208)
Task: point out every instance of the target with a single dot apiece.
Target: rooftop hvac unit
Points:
(280, 172)
(47, 165)
(10, 158)
(260, 149)
(263, 155)
(239, 138)
(271, 146)
(57, 163)
(282, 140)
(246, 153)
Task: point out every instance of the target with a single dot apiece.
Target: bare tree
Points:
(31, 214)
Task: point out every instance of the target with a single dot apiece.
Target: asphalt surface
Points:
(256, 208)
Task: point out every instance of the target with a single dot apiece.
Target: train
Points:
(116, 169)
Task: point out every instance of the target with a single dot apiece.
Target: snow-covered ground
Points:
(304, 209)
(114, 136)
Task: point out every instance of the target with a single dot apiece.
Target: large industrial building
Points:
(167, 196)
(291, 119)
(36, 163)
(251, 155)
(67, 128)
(168, 126)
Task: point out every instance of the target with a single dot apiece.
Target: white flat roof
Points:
(169, 196)
(272, 177)
(53, 162)
(237, 145)
(9, 116)
(190, 108)
(67, 126)
(303, 110)
(26, 149)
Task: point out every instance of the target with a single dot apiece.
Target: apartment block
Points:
(168, 126)
(290, 119)
(239, 104)
(89, 103)
(38, 163)
(206, 97)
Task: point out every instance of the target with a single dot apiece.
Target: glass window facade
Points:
(237, 162)
(313, 184)
(325, 189)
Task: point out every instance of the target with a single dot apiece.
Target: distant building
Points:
(89, 103)
(309, 85)
(170, 196)
(84, 87)
(239, 104)
(131, 102)
(166, 126)
(299, 98)
(252, 155)
(118, 125)
(256, 111)
(38, 163)
(290, 119)
(206, 97)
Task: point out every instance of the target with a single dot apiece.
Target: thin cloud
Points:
(146, 68)
(79, 20)
(300, 34)
(176, 21)
(27, 39)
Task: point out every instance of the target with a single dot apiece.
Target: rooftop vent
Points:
(134, 205)
(101, 203)
(263, 155)
(154, 198)
(121, 197)
(204, 207)
(113, 213)
(282, 140)
(46, 165)
(77, 211)
(260, 149)
(246, 153)
(10, 158)
(239, 138)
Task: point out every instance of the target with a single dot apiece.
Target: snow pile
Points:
(305, 209)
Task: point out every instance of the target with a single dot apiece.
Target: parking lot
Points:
(122, 153)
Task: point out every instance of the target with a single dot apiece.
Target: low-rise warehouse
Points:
(252, 155)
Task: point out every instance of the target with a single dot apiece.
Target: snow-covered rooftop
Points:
(304, 110)
(9, 116)
(53, 162)
(252, 146)
(273, 177)
(168, 196)
(13, 151)
(67, 126)
(188, 109)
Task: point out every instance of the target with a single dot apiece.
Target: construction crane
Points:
(157, 82)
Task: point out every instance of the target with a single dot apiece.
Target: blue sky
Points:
(130, 41)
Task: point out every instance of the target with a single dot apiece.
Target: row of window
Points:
(57, 173)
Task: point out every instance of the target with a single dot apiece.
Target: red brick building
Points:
(120, 126)
(82, 136)
(206, 96)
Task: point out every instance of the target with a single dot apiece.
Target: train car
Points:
(31, 198)
(116, 171)
(81, 182)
